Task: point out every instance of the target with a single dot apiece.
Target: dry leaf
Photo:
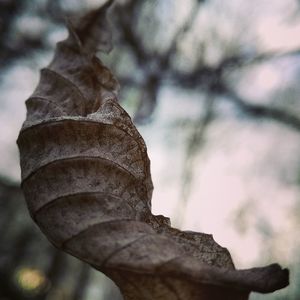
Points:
(86, 179)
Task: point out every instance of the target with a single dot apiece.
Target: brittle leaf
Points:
(87, 182)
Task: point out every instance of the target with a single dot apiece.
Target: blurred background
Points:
(213, 87)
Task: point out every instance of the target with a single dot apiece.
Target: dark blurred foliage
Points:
(14, 45)
(27, 30)
(30, 267)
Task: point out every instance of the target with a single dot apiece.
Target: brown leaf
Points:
(86, 179)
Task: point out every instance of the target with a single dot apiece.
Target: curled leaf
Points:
(87, 182)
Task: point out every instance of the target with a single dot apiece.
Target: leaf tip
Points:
(91, 33)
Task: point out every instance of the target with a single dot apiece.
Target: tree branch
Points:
(262, 111)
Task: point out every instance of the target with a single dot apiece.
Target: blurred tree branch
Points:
(213, 81)
(195, 142)
(264, 112)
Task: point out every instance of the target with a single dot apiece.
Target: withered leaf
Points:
(87, 182)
